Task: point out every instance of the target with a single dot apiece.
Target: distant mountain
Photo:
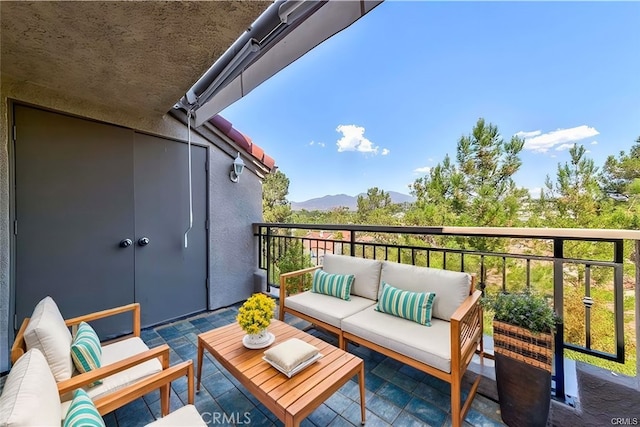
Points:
(329, 202)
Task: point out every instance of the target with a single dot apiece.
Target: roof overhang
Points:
(283, 33)
(133, 56)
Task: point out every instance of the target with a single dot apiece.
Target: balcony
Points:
(589, 276)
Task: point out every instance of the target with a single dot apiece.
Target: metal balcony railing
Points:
(503, 259)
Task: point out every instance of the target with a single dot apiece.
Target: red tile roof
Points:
(243, 141)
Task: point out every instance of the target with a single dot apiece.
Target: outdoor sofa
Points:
(444, 349)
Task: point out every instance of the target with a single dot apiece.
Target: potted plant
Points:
(523, 326)
(254, 316)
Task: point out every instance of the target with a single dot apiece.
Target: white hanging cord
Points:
(186, 242)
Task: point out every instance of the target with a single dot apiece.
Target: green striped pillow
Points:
(409, 305)
(336, 285)
(82, 412)
(86, 351)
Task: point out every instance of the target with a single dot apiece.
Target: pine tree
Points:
(478, 189)
(275, 206)
(575, 198)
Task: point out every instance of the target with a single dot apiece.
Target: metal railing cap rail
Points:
(523, 232)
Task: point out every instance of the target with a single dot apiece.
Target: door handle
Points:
(125, 243)
(143, 241)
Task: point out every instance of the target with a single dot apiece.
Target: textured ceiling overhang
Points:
(136, 56)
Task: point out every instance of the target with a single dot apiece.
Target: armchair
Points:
(123, 363)
(31, 396)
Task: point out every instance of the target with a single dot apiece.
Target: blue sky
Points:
(389, 97)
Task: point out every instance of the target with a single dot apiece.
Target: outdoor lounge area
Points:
(396, 394)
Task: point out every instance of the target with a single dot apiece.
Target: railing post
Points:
(483, 275)
(268, 237)
(558, 303)
(618, 293)
(353, 243)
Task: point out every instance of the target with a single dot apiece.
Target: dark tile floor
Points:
(396, 394)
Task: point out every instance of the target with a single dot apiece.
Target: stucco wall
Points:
(233, 251)
(233, 207)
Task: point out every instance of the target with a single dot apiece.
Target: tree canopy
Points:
(477, 189)
(620, 175)
(275, 206)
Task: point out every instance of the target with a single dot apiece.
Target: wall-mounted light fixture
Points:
(236, 169)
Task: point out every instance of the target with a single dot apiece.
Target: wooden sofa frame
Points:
(466, 340)
(161, 380)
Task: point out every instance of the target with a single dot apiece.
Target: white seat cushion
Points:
(365, 271)
(451, 287)
(30, 394)
(187, 416)
(327, 309)
(114, 353)
(428, 344)
(48, 333)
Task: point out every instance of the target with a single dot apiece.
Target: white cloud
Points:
(385, 151)
(594, 142)
(430, 159)
(353, 139)
(319, 144)
(527, 135)
(543, 142)
(563, 147)
(422, 170)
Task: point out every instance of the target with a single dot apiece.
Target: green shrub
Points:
(524, 310)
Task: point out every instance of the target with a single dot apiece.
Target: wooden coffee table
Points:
(290, 399)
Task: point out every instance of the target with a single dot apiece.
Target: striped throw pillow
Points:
(336, 285)
(409, 305)
(82, 412)
(86, 351)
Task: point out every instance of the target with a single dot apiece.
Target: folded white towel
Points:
(290, 354)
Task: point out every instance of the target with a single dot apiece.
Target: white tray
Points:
(298, 368)
(265, 344)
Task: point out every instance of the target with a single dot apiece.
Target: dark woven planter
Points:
(523, 375)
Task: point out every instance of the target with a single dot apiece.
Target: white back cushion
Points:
(366, 272)
(451, 287)
(48, 333)
(30, 394)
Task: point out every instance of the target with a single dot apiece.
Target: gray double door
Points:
(84, 190)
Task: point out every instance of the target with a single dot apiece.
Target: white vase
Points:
(262, 339)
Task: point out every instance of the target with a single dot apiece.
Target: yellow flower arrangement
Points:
(256, 313)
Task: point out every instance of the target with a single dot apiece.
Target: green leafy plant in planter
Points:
(523, 327)
(525, 310)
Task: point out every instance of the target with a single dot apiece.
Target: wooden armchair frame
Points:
(161, 380)
(19, 346)
(118, 398)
